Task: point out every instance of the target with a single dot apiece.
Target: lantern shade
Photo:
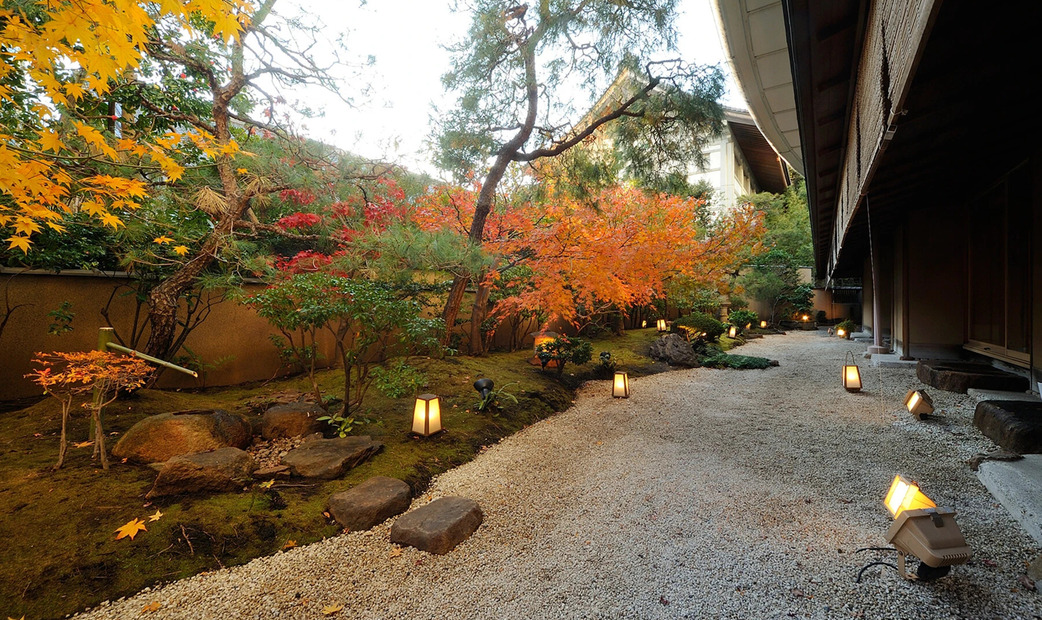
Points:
(661, 324)
(731, 333)
(763, 324)
(851, 378)
(426, 417)
(918, 403)
(904, 495)
(620, 386)
(842, 333)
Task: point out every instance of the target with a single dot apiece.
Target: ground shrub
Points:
(710, 328)
(848, 326)
(741, 318)
(737, 362)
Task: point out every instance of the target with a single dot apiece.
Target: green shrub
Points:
(741, 318)
(848, 326)
(398, 379)
(710, 328)
(738, 362)
(562, 350)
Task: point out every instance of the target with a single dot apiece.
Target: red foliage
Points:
(298, 220)
(298, 196)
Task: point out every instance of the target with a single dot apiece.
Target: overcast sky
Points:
(406, 39)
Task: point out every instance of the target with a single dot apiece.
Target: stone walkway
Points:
(707, 494)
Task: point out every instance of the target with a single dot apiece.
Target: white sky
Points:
(406, 39)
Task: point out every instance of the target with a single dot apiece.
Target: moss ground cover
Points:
(58, 527)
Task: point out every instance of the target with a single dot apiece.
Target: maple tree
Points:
(513, 106)
(65, 376)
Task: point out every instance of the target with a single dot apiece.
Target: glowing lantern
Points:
(918, 403)
(763, 324)
(805, 317)
(731, 333)
(842, 333)
(620, 387)
(543, 338)
(851, 375)
(644, 323)
(662, 325)
(923, 530)
(426, 416)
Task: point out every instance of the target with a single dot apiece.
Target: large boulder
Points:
(439, 526)
(330, 458)
(957, 376)
(1015, 425)
(224, 469)
(370, 503)
(674, 350)
(290, 420)
(160, 437)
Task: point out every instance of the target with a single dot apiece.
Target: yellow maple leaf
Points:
(50, 141)
(111, 220)
(156, 516)
(267, 485)
(329, 610)
(20, 242)
(153, 606)
(162, 239)
(131, 528)
(82, 444)
(181, 249)
(397, 551)
(289, 544)
(241, 170)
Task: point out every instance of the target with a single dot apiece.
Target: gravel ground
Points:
(707, 494)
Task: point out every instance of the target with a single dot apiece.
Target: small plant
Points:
(848, 326)
(492, 399)
(68, 375)
(737, 362)
(562, 350)
(342, 425)
(606, 368)
(743, 318)
(62, 316)
(398, 380)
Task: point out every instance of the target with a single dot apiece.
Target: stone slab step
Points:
(1017, 485)
(439, 526)
(980, 395)
(1015, 425)
(958, 376)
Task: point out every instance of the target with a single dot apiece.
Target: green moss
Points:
(59, 526)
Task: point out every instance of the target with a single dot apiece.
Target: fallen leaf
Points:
(663, 600)
(267, 485)
(153, 606)
(82, 444)
(131, 529)
(1027, 582)
(156, 516)
(990, 563)
(397, 551)
(289, 544)
(329, 610)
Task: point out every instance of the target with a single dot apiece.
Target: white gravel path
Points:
(707, 494)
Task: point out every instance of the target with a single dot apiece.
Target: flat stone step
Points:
(956, 376)
(891, 360)
(1017, 485)
(980, 395)
(1015, 425)
(439, 526)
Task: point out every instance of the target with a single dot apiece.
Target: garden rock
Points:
(166, 435)
(955, 376)
(439, 526)
(1015, 425)
(290, 420)
(370, 503)
(330, 458)
(224, 469)
(674, 350)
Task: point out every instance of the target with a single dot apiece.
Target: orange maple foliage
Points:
(66, 376)
(584, 259)
(104, 40)
(130, 529)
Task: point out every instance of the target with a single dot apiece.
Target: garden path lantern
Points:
(842, 333)
(763, 324)
(918, 403)
(543, 338)
(426, 417)
(662, 325)
(620, 386)
(923, 530)
(731, 333)
(851, 375)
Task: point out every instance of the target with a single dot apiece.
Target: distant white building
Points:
(740, 162)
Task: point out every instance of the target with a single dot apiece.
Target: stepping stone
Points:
(290, 420)
(955, 376)
(160, 437)
(218, 471)
(370, 503)
(439, 526)
(1015, 425)
(330, 458)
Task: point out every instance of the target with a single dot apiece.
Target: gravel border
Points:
(707, 494)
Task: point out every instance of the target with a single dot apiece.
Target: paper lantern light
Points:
(426, 417)
(620, 386)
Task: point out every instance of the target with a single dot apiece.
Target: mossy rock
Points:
(158, 438)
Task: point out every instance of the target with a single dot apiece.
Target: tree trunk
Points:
(452, 306)
(478, 313)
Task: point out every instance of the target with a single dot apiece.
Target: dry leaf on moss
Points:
(131, 529)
